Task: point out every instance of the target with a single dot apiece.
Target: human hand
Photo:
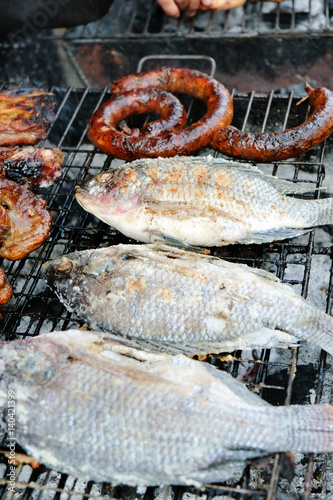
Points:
(189, 7)
(223, 4)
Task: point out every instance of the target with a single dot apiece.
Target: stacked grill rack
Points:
(140, 18)
(284, 376)
(261, 45)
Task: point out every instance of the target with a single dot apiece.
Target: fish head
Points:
(36, 360)
(77, 275)
(66, 275)
(85, 263)
(28, 363)
(114, 192)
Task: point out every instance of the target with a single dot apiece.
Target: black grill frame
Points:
(34, 308)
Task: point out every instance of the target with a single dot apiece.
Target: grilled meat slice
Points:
(25, 222)
(25, 115)
(31, 167)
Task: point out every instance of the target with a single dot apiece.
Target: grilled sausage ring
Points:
(219, 113)
(270, 147)
(119, 107)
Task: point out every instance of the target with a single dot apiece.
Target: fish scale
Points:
(176, 300)
(201, 201)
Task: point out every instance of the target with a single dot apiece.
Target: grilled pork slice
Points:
(25, 222)
(31, 167)
(25, 115)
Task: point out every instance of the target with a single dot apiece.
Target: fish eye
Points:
(103, 177)
(65, 266)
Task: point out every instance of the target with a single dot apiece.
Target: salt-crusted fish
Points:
(200, 201)
(175, 299)
(91, 407)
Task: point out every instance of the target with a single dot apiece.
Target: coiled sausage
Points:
(270, 147)
(182, 142)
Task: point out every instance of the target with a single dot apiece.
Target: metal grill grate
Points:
(140, 18)
(295, 375)
(261, 45)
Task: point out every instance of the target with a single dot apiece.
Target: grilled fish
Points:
(179, 300)
(200, 202)
(94, 408)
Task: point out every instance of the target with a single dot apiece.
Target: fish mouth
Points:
(81, 197)
(79, 191)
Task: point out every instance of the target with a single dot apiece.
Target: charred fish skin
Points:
(181, 301)
(108, 412)
(201, 201)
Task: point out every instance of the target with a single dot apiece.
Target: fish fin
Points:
(281, 233)
(264, 274)
(220, 471)
(289, 187)
(238, 388)
(167, 239)
(262, 338)
(314, 326)
(282, 185)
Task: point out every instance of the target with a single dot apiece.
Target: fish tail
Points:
(321, 212)
(310, 428)
(314, 326)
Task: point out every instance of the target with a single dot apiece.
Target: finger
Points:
(206, 4)
(170, 7)
(192, 7)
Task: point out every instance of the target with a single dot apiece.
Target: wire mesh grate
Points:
(284, 376)
(139, 18)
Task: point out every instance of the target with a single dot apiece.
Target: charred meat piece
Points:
(31, 167)
(6, 291)
(25, 222)
(4, 222)
(25, 115)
